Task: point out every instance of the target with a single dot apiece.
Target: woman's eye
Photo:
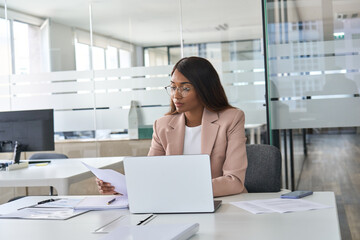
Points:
(172, 88)
(186, 89)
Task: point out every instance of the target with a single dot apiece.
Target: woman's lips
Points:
(178, 104)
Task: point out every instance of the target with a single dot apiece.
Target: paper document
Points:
(279, 205)
(61, 203)
(102, 202)
(154, 232)
(108, 175)
(44, 213)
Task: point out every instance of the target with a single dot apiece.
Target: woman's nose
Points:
(177, 94)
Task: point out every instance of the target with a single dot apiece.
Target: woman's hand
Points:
(105, 187)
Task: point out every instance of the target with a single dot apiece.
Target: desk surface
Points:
(229, 222)
(60, 173)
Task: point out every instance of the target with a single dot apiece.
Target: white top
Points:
(192, 140)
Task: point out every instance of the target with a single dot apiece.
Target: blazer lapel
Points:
(209, 131)
(176, 135)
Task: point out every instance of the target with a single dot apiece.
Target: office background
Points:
(88, 59)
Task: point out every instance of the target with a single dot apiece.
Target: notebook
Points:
(154, 232)
(169, 184)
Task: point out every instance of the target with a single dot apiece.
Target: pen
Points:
(47, 200)
(111, 201)
(146, 219)
(39, 203)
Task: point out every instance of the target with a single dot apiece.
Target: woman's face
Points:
(188, 100)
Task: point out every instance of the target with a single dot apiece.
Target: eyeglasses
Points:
(184, 91)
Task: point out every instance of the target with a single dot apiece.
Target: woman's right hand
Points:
(105, 187)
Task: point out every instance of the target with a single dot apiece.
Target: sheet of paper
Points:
(101, 202)
(44, 213)
(278, 205)
(108, 175)
(250, 207)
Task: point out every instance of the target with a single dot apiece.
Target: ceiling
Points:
(157, 22)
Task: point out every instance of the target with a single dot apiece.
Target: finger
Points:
(107, 188)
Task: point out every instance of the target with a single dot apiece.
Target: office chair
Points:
(48, 156)
(263, 173)
(38, 156)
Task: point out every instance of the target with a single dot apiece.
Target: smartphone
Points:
(296, 194)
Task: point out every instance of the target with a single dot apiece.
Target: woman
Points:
(201, 121)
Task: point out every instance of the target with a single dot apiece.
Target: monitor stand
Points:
(16, 162)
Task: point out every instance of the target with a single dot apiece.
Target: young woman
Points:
(201, 121)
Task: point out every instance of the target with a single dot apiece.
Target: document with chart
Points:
(278, 205)
(44, 213)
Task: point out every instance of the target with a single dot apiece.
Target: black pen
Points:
(143, 221)
(46, 201)
(39, 203)
(111, 201)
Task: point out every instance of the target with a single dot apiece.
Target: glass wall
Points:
(5, 60)
(314, 63)
(313, 66)
(89, 60)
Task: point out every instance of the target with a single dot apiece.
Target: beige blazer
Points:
(222, 138)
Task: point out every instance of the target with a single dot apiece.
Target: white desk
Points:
(60, 173)
(229, 222)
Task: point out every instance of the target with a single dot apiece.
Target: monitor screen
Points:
(33, 130)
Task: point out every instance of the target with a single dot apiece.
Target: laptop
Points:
(170, 184)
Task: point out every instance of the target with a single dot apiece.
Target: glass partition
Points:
(42, 68)
(5, 60)
(314, 63)
(229, 35)
(313, 67)
(130, 27)
(89, 60)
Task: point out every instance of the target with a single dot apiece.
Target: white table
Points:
(60, 173)
(229, 222)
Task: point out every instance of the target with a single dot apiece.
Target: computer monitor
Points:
(30, 130)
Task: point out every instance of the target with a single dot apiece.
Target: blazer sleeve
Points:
(156, 148)
(235, 164)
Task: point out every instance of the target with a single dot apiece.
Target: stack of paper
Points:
(278, 205)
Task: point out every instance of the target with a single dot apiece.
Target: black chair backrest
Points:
(47, 156)
(263, 173)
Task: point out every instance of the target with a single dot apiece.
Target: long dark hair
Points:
(203, 76)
